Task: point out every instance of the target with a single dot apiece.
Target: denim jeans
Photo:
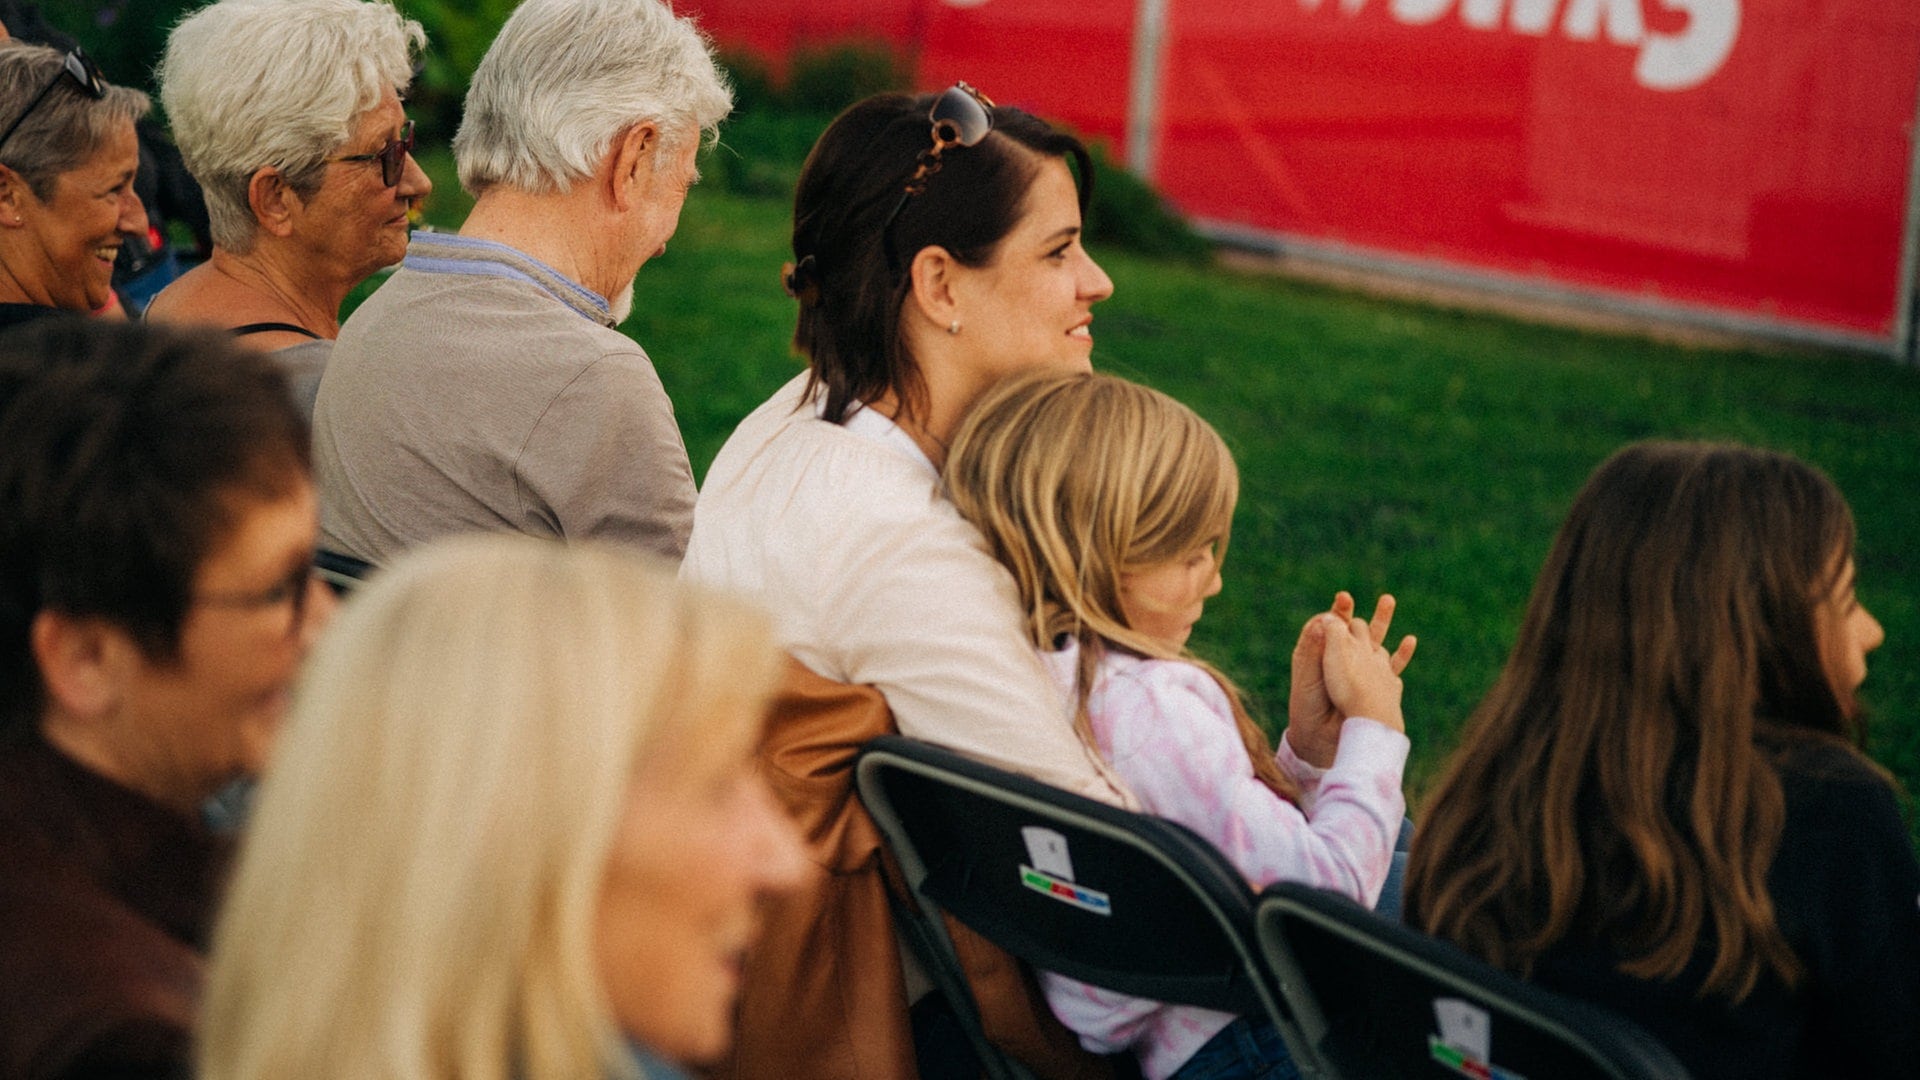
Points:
(1246, 1049)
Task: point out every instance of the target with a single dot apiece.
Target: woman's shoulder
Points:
(784, 456)
(1844, 832)
(1821, 775)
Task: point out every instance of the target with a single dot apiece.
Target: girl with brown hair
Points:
(1662, 805)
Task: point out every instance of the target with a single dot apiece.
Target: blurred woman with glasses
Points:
(288, 113)
(68, 154)
(937, 248)
(157, 522)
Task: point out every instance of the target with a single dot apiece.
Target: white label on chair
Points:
(1465, 1042)
(1464, 1026)
(1047, 850)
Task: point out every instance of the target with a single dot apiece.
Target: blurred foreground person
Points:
(288, 113)
(512, 832)
(156, 532)
(484, 387)
(1662, 806)
(68, 155)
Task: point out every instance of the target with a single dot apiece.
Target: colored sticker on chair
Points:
(1065, 891)
(1465, 1042)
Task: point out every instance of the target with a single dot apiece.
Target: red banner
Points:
(1748, 157)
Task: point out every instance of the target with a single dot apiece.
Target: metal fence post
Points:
(1143, 91)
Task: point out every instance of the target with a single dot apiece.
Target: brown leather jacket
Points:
(823, 995)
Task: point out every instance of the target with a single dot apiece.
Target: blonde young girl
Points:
(1111, 503)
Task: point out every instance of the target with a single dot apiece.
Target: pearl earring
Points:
(953, 328)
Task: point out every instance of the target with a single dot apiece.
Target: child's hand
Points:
(1313, 720)
(1361, 677)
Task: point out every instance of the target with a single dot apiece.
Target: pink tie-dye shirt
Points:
(1166, 727)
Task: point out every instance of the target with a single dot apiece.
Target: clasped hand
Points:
(1341, 668)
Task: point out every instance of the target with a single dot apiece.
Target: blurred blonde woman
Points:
(510, 831)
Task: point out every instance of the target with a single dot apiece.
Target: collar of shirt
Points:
(873, 427)
(450, 253)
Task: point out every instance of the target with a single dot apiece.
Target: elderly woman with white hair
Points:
(288, 113)
(484, 386)
(510, 831)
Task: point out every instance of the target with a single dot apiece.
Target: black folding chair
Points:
(341, 572)
(1123, 901)
(1374, 999)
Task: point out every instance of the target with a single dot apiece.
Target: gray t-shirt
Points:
(479, 389)
(304, 364)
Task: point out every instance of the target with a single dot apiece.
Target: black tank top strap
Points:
(272, 327)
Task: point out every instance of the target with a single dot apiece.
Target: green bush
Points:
(1128, 213)
(828, 78)
(754, 89)
(458, 33)
(125, 37)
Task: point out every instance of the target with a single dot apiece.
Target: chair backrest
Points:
(341, 572)
(1121, 900)
(1373, 998)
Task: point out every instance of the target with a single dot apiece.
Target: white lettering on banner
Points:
(1668, 61)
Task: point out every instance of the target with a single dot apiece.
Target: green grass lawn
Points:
(1382, 446)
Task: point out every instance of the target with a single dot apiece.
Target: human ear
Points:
(82, 662)
(635, 153)
(14, 194)
(272, 200)
(935, 277)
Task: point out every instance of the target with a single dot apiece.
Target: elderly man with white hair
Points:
(288, 113)
(484, 386)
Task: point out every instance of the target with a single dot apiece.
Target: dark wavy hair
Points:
(852, 280)
(1620, 783)
(123, 449)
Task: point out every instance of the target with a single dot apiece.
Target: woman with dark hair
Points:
(1662, 805)
(936, 245)
(937, 248)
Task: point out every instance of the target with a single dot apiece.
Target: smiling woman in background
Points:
(68, 154)
(510, 833)
(288, 113)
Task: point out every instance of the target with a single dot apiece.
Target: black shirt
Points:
(1846, 893)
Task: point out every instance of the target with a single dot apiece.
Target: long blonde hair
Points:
(1076, 478)
(417, 892)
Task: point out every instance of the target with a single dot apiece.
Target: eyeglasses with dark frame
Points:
(392, 157)
(292, 590)
(76, 65)
(960, 116)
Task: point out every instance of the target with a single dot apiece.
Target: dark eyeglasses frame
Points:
(293, 590)
(392, 157)
(76, 65)
(960, 116)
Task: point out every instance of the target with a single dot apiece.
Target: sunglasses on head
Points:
(392, 157)
(76, 65)
(961, 116)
